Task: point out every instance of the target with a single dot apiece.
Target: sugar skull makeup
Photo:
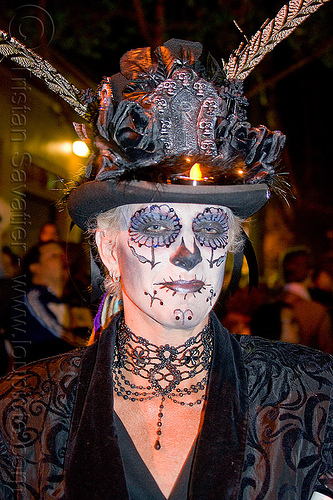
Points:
(210, 228)
(171, 261)
(154, 226)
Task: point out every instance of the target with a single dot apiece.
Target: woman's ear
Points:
(107, 251)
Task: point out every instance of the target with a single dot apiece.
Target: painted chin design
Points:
(183, 286)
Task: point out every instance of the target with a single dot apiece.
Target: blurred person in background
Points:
(321, 289)
(52, 325)
(313, 318)
(77, 286)
(237, 323)
(49, 232)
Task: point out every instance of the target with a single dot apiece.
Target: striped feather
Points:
(246, 57)
(17, 52)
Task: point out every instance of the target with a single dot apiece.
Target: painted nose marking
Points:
(184, 258)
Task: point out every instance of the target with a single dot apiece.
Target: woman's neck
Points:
(143, 371)
(156, 332)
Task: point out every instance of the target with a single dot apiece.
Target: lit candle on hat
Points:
(195, 173)
(194, 176)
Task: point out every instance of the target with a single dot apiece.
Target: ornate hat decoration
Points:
(174, 117)
(166, 128)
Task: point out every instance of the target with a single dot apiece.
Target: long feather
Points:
(41, 68)
(246, 57)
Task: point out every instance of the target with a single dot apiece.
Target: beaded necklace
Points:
(164, 367)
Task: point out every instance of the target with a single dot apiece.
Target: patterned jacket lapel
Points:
(218, 462)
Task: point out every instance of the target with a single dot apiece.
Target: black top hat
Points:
(167, 129)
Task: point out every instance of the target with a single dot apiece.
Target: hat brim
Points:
(95, 197)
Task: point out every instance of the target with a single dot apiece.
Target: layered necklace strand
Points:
(164, 367)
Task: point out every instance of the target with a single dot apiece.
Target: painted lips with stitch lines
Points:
(183, 286)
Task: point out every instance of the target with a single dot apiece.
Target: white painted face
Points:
(171, 260)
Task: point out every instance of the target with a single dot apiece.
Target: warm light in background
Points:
(195, 172)
(63, 148)
(80, 149)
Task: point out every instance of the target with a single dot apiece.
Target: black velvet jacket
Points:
(267, 432)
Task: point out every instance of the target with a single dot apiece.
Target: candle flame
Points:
(195, 172)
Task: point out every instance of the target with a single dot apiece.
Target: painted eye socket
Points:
(210, 228)
(154, 226)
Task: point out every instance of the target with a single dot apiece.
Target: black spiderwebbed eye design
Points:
(154, 226)
(210, 228)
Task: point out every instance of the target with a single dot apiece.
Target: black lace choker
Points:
(164, 367)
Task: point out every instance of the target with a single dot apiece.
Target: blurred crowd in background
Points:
(298, 308)
(44, 300)
(45, 306)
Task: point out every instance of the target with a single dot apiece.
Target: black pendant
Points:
(157, 445)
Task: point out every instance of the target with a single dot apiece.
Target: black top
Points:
(267, 431)
(140, 483)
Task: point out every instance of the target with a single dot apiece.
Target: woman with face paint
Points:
(166, 403)
(171, 259)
